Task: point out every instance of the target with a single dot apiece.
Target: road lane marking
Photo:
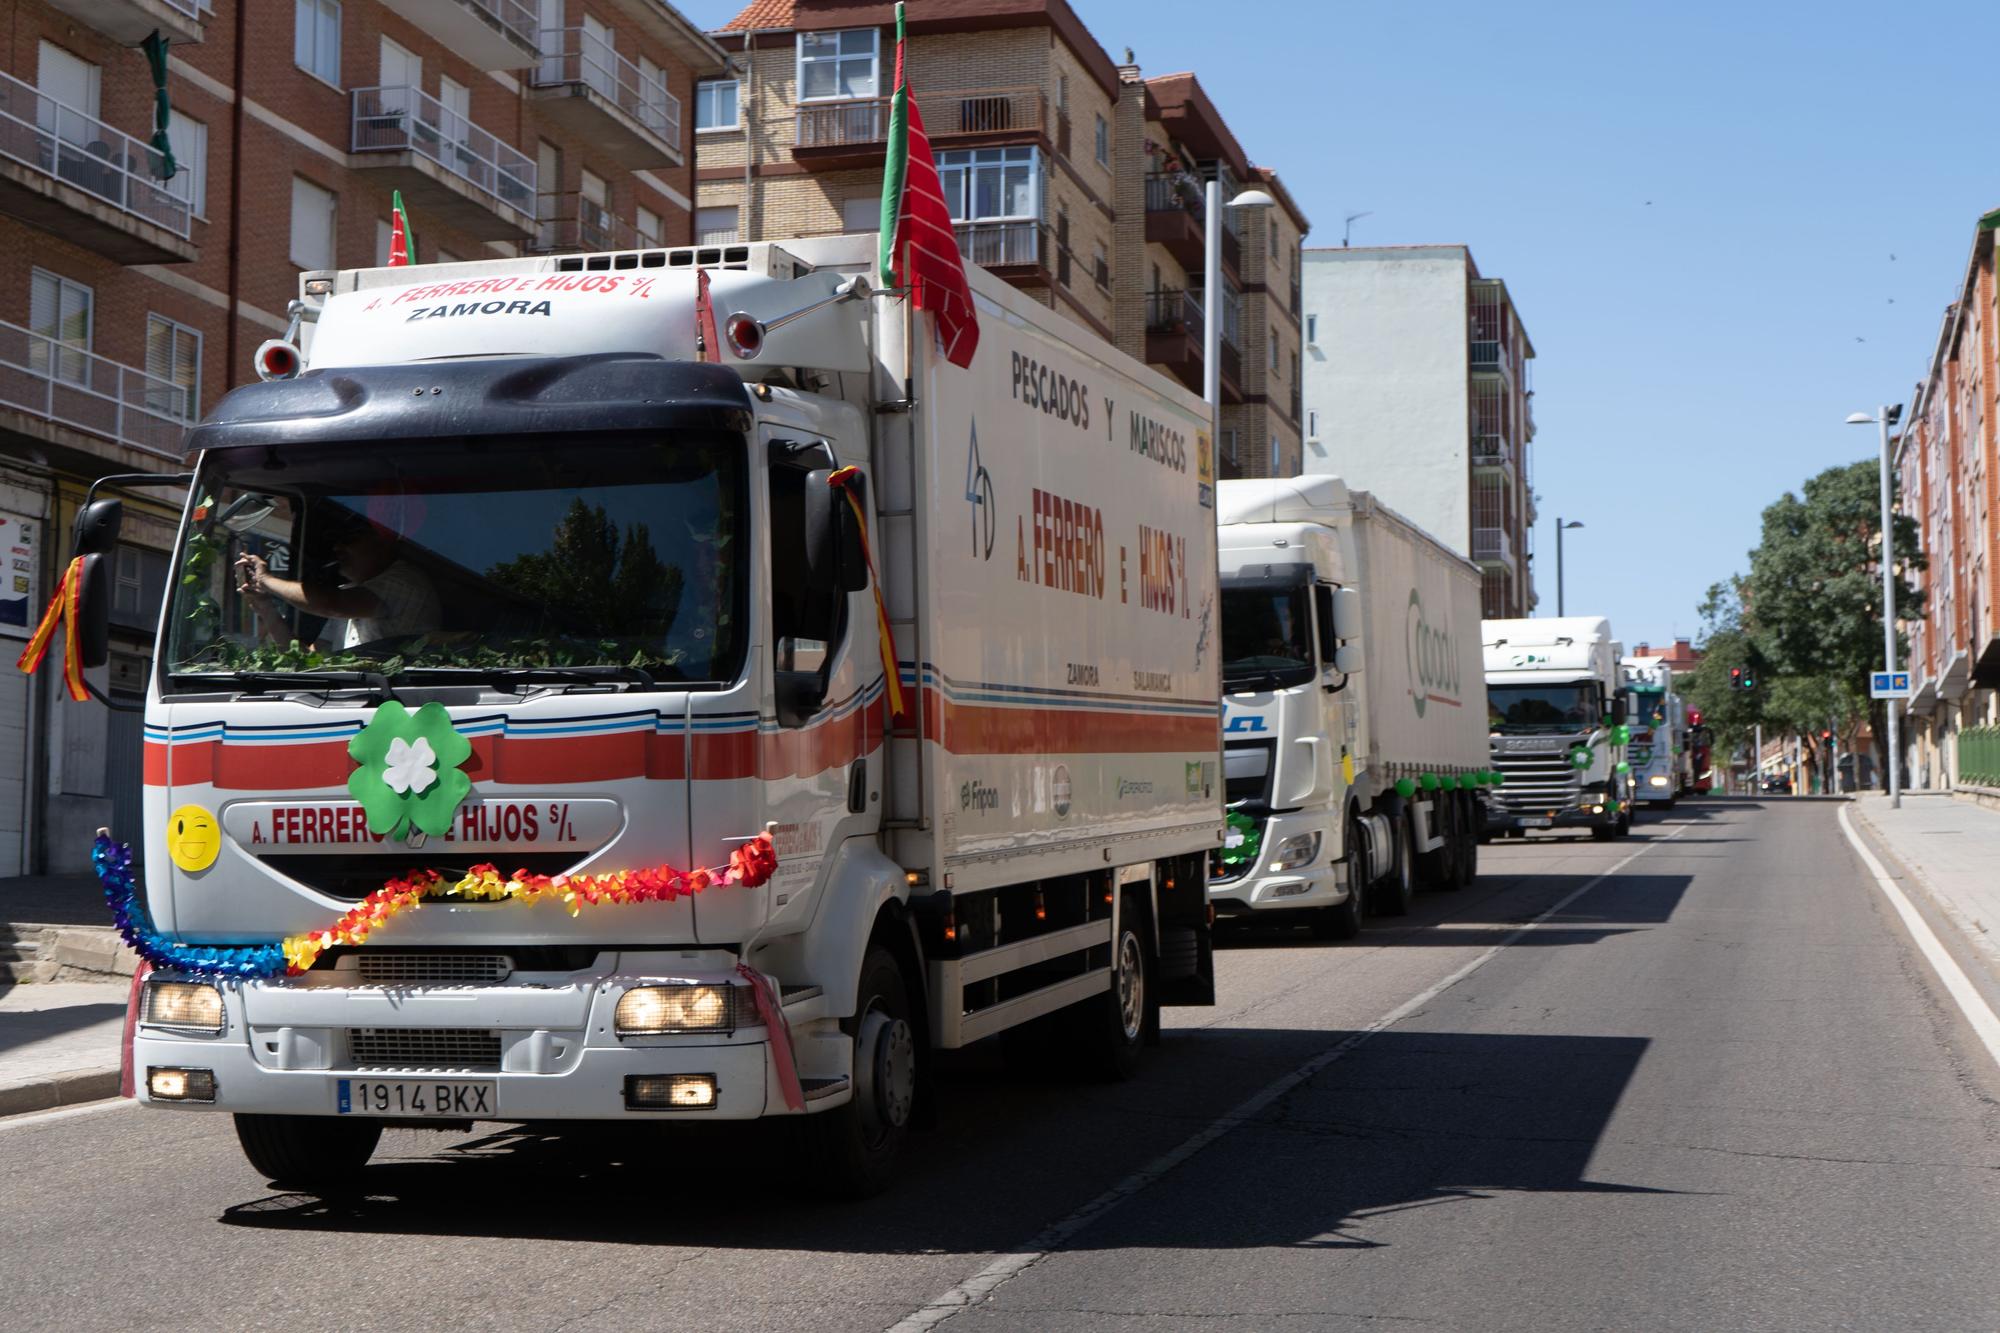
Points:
(1970, 1002)
(991, 1278)
(25, 1119)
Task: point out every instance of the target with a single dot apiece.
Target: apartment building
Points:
(140, 293)
(1418, 388)
(1948, 468)
(1077, 180)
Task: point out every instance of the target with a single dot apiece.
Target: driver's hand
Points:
(251, 572)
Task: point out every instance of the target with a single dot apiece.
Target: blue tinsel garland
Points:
(113, 862)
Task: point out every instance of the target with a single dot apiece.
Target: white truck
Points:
(522, 597)
(1656, 719)
(1354, 759)
(1557, 726)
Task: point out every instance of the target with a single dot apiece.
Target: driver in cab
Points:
(383, 594)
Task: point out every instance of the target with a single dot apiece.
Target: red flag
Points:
(399, 234)
(919, 244)
(706, 345)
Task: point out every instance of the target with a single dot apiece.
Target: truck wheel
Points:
(851, 1151)
(1434, 868)
(1603, 832)
(312, 1152)
(1111, 1029)
(1339, 923)
(1468, 845)
(1394, 895)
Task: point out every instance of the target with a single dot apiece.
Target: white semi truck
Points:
(1557, 729)
(568, 623)
(1656, 719)
(1354, 756)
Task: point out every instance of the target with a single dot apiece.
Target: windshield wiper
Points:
(566, 675)
(373, 681)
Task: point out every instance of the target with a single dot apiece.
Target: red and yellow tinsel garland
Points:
(749, 866)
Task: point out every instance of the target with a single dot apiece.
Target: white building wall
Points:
(1387, 374)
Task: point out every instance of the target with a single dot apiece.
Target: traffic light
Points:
(1736, 678)
(1694, 717)
(1825, 736)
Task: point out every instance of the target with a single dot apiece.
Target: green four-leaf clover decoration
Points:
(407, 775)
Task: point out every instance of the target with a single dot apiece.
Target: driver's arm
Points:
(254, 577)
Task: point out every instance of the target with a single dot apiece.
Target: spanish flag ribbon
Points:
(845, 480)
(62, 610)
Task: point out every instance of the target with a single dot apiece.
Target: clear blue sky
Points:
(1695, 206)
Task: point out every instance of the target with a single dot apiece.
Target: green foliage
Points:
(590, 575)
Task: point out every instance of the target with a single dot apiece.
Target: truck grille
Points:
(424, 1048)
(433, 969)
(1538, 782)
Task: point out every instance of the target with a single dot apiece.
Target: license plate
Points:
(453, 1099)
(1535, 821)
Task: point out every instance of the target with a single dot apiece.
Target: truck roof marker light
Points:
(277, 360)
(745, 336)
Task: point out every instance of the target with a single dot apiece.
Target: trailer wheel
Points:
(1467, 869)
(1434, 868)
(312, 1152)
(1394, 895)
(851, 1151)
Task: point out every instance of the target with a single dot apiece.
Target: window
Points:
(1271, 352)
(1277, 457)
(649, 228)
(173, 355)
(1103, 142)
(1312, 424)
(1100, 265)
(714, 226)
(1274, 240)
(316, 38)
(652, 96)
(60, 317)
(548, 179)
(312, 224)
(76, 84)
(987, 183)
(715, 104)
(190, 144)
(138, 586)
(837, 64)
(382, 232)
(1312, 328)
(863, 213)
(1229, 451)
(1062, 92)
(456, 100)
(599, 55)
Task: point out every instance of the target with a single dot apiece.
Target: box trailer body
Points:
(660, 629)
(1353, 741)
(1555, 714)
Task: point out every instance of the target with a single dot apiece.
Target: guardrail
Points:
(391, 119)
(46, 378)
(574, 55)
(81, 151)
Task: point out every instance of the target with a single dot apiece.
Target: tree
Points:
(1812, 603)
(593, 584)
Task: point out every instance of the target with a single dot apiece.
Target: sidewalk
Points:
(59, 1043)
(1952, 848)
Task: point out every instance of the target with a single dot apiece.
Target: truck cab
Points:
(1557, 726)
(1656, 720)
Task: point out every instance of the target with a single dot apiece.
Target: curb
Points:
(67, 1088)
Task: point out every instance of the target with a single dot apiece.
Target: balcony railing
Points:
(86, 154)
(573, 223)
(1491, 450)
(578, 56)
(409, 120)
(1174, 310)
(1492, 544)
(1167, 191)
(863, 121)
(1001, 244)
(52, 380)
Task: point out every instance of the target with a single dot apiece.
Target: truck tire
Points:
(1468, 844)
(1109, 1032)
(850, 1151)
(1603, 832)
(1434, 868)
(1393, 896)
(1342, 922)
(313, 1152)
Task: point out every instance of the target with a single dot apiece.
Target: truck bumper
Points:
(1320, 883)
(1500, 820)
(290, 1050)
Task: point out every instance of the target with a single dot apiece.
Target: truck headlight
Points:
(1301, 849)
(191, 1005)
(652, 1011)
(1657, 780)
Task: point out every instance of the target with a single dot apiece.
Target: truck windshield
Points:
(1567, 708)
(1646, 708)
(580, 559)
(1266, 635)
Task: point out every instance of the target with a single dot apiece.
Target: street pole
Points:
(1559, 564)
(1757, 765)
(1836, 760)
(1211, 319)
(1889, 612)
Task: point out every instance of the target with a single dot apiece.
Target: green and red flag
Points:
(919, 245)
(402, 250)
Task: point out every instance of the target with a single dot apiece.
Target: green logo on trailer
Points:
(1433, 659)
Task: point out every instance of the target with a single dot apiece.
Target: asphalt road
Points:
(1717, 1089)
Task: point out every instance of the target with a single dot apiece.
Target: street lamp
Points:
(1886, 417)
(1560, 525)
(1211, 297)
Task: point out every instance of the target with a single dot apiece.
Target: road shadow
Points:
(1401, 1120)
(22, 1028)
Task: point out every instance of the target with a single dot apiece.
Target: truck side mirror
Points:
(1618, 711)
(95, 539)
(1347, 613)
(833, 537)
(1347, 658)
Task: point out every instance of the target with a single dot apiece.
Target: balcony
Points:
(1492, 546)
(1174, 334)
(587, 88)
(1013, 249)
(1174, 218)
(854, 132)
(492, 34)
(130, 22)
(53, 382)
(572, 224)
(74, 176)
(1491, 450)
(451, 170)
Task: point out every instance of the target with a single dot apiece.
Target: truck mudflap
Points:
(1186, 939)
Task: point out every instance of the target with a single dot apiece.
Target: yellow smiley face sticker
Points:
(193, 838)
